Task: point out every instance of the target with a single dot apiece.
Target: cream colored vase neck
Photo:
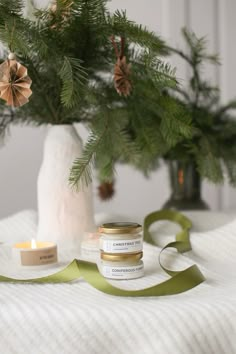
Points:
(64, 214)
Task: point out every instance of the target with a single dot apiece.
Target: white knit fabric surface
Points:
(77, 319)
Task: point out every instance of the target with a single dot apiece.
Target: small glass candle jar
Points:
(121, 237)
(31, 254)
(122, 266)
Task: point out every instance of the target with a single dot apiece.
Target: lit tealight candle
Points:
(35, 253)
(33, 244)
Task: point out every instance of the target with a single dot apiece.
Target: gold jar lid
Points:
(120, 228)
(132, 257)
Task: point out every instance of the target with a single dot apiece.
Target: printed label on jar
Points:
(121, 246)
(128, 272)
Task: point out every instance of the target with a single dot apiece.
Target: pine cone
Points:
(121, 77)
(106, 190)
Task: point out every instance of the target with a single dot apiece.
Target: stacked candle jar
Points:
(121, 249)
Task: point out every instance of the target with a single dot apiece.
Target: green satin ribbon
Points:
(178, 282)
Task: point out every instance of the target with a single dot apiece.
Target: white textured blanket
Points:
(77, 319)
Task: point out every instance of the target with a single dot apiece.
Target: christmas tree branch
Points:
(81, 171)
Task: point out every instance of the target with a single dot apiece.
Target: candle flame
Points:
(33, 244)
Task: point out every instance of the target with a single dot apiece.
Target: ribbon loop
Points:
(179, 282)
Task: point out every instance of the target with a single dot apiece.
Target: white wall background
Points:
(21, 156)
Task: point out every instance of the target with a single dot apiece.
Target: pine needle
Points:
(73, 76)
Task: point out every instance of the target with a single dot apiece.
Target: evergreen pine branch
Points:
(55, 49)
(208, 161)
(197, 50)
(92, 11)
(197, 46)
(153, 146)
(10, 36)
(10, 9)
(176, 123)
(137, 34)
(105, 167)
(180, 53)
(230, 105)
(6, 118)
(160, 72)
(185, 96)
(81, 171)
(73, 76)
(36, 42)
(213, 130)
(127, 150)
(44, 99)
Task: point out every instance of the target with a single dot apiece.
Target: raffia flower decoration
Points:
(14, 83)
(122, 71)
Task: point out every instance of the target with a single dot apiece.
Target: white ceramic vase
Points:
(64, 214)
